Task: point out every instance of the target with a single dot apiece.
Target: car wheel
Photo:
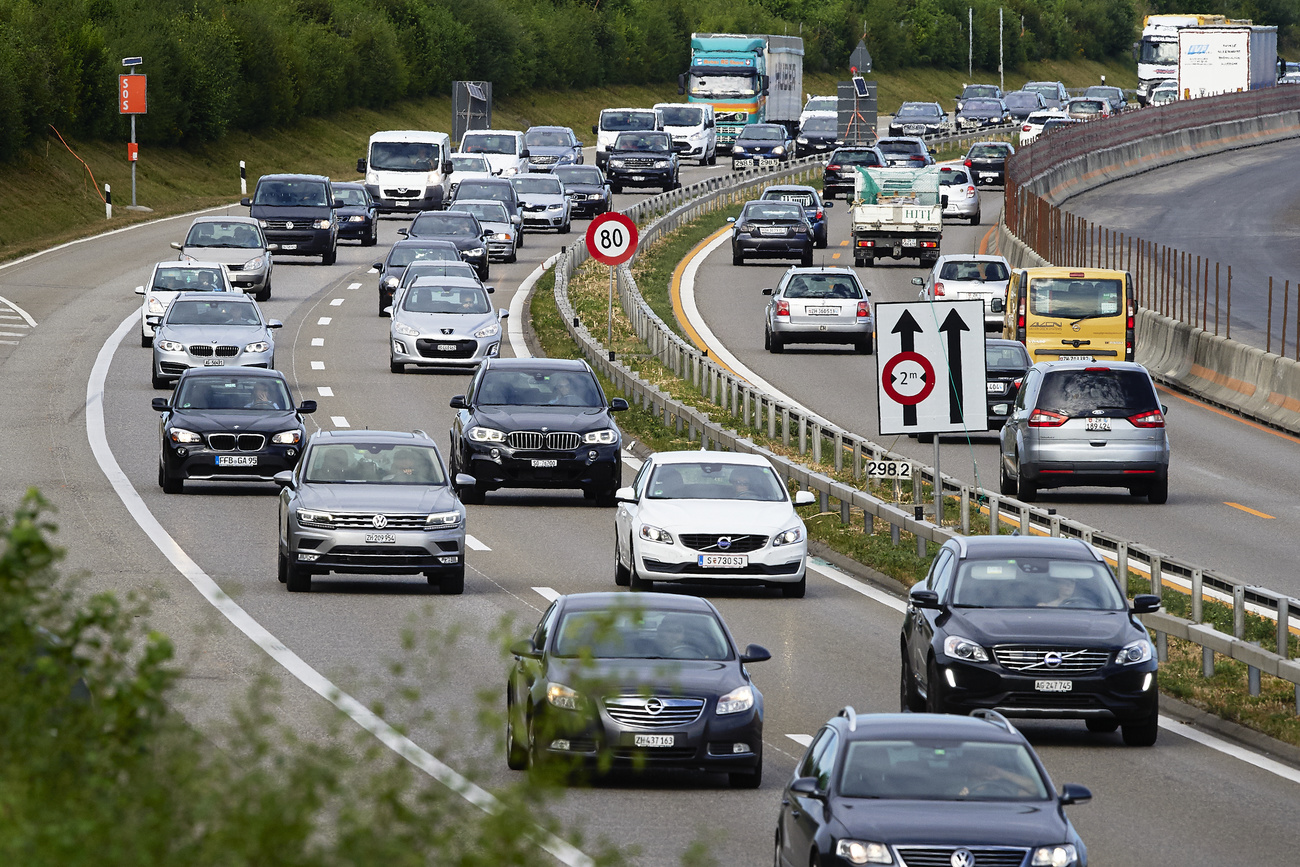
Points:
(797, 589)
(1006, 485)
(1158, 492)
(374, 234)
(1025, 489)
(396, 367)
(265, 294)
(863, 346)
(605, 498)
(777, 343)
(483, 275)
(145, 341)
(450, 583)
(868, 262)
(933, 699)
(827, 195)
(909, 701)
(282, 567)
(925, 438)
(564, 230)
(296, 578)
(471, 495)
(1102, 725)
(736, 257)
(806, 259)
(329, 256)
(975, 220)
(160, 382)
(622, 575)
(169, 483)
(748, 780)
(616, 188)
(1141, 732)
(519, 240)
(635, 581)
(767, 339)
(516, 753)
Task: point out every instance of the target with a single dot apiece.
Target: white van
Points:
(408, 170)
(692, 126)
(504, 149)
(616, 120)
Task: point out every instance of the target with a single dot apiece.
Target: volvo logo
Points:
(1052, 660)
(962, 858)
(654, 706)
(724, 542)
(379, 522)
(289, 225)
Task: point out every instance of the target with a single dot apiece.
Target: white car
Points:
(469, 167)
(170, 279)
(819, 105)
(1032, 127)
(967, 276)
(715, 517)
(504, 150)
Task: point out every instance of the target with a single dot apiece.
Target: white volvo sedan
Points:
(710, 517)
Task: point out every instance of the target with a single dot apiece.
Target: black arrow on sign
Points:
(954, 325)
(907, 329)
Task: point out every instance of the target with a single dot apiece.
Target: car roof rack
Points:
(994, 717)
(851, 715)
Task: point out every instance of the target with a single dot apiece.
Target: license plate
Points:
(1075, 358)
(214, 362)
(638, 177)
(822, 311)
(1054, 685)
(994, 387)
(909, 242)
(545, 463)
(236, 460)
(766, 231)
(988, 174)
(446, 347)
(743, 163)
(654, 740)
(381, 538)
(723, 561)
(403, 203)
(1096, 424)
(288, 246)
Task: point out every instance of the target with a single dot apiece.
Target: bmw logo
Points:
(1052, 660)
(379, 522)
(724, 542)
(654, 706)
(962, 858)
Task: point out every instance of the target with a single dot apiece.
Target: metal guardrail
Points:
(751, 409)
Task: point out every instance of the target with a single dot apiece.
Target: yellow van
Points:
(1071, 314)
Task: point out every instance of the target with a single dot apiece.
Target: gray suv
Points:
(1081, 423)
(370, 502)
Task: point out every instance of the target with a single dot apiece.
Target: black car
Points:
(840, 174)
(977, 113)
(643, 159)
(359, 216)
(1030, 626)
(405, 252)
(1023, 103)
(923, 789)
(229, 426)
(761, 144)
(771, 230)
(536, 423)
(919, 118)
(497, 190)
(905, 151)
(589, 194)
(978, 91)
(641, 680)
(813, 206)
(297, 212)
(818, 134)
(461, 229)
(987, 161)
(1113, 95)
(1005, 363)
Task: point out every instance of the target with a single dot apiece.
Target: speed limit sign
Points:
(612, 238)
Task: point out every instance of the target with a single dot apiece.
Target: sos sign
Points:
(130, 94)
(612, 238)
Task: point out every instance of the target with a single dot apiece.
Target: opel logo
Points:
(1052, 660)
(724, 542)
(962, 858)
(1075, 326)
(289, 225)
(654, 706)
(379, 521)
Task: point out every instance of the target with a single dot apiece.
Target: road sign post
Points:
(612, 240)
(131, 100)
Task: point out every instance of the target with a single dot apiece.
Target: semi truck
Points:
(896, 213)
(1156, 52)
(1226, 59)
(747, 79)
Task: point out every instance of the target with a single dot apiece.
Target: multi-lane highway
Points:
(1180, 802)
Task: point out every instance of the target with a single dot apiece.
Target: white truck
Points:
(407, 170)
(1226, 59)
(896, 213)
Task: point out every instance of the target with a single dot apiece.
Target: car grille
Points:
(1049, 701)
(942, 856)
(225, 442)
(709, 542)
(638, 162)
(446, 348)
(532, 441)
(1073, 660)
(544, 160)
(367, 520)
(913, 129)
(653, 755)
(632, 710)
(533, 208)
(402, 193)
(203, 350)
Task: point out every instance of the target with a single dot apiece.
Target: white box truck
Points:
(1214, 60)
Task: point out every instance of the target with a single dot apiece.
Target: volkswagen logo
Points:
(379, 522)
(654, 706)
(962, 858)
(289, 225)
(724, 542)
(1052, 660)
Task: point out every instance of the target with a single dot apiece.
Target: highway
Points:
(838, 646)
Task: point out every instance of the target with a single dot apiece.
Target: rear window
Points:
(899, 147)
(974, 270)
(822, 286)
(991, 151)
(856, 158)
(1117, 393)
(800, 198)
(950, 177)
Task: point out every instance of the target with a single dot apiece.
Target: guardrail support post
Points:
(857, 459)
(785, 427)
(1157, 578)
(803, 434)
(1198, 599)
(894, 538)
(1284, 627)
(845, 512)
(1252, 677)
(839, 452)
(771, 420)
(1207, 662)
(918, 511)
(1238, 610)
(824, 501)
(1024, 521)
(1162, 646)
(1121, 566)
(965, 510)
(1053, 523)
(994, 518)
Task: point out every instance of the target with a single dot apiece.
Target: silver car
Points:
(170, 279)
(966, 276)
(960, 196)
(819, 305)
(542, 202)
(1086, 423)
(444, 322)
(239, 244)
(210, 329)
(370, 502)
(492, 215)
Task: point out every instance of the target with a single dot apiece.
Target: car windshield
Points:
(231, 392)
(1005, 356)
(444, 299)
(989, 151)
(975, 90)
(579, 175)
(1049, 90)
(188, 280)
(1074, 298)
(1099, 391)
(974, 269)
(982, 105)
(440, 268)
(934, 770)
(351, 196)
(289, 194)
(856, 158)
(641, 633)
(761, 133)
(1036, 582)
(822, 103)
(918, 110)
(222, 312)
(403, 156)
(679, 115)
(821, 124)
(654, 142)
(1103, 92)
(373, 463)
(1022, 99)
(545, 185)
(489, 212)
(498, 192)
(470, 164)
(548, 138)
(404, 255)
(539, 388)
(799, 197)
(617, 121)
(1057, 123)
(822, 286)
(1086, 106)
(488, 143)
(715, 481)
(723, 85)
(772, 211)
(212, 234)
(449, 223)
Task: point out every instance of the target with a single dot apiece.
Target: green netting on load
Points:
(897, 186)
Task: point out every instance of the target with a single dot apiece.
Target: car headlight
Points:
(356, 218)
(486, 435)
(605, 437)
(618, 163)
(287, 437)
(313, 518)
(156, 305)
(788, 537)
(255, 264)
(654, 534)
(169, 345)
(555, 207)
(476, 251)
(510, 171)
(442, 520)
(259, 346)
(489, 331)
(778, 150)
(501, 236)
(1055, 856)
(389, 283)
(740, 698)
(661, 164)
(320, 224)
(737, 150)
(863, 852)
(801, 140)
(180, 435)
(405, 330)
(263, 224)
(562, 696)
(1134, 652)
(963, 648)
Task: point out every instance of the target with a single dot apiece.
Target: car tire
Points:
(925, 438)
(1006, 484)
(450, 583)
(863, 346)
(160, 382)
(822, 243)
(516, 753)
(519, 240)
(296, 579)
(622, 574)
(565, 229)
(1102, 725)
(616, 188)
(169, 483)
(827, 195)
(1141, 732)
(806, 259)
(777, 344)
(736, 257)
(797, 589)
(374, 233)
(605, 498)
(395, 367)
(282, 567)
(1025, 489)
(746, 780)
(330, 256)
(909, 701)
(1158, 493)
(471, 495)
(975, 220)
(145, 342)
(867, 262)
(513, 257)
(634, 579)
(933, 698)
(265, 294)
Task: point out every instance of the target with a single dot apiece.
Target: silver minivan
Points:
(1078, 423)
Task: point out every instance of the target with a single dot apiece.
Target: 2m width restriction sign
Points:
(932, 371)
(612, 238)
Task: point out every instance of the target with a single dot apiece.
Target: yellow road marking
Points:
(844, 243)
(1250, 511)
(835, 255)
(675, 293)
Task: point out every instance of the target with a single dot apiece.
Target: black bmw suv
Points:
(536, 423)
(1030, 627)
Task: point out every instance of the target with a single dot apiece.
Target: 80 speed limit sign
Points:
(612, 238)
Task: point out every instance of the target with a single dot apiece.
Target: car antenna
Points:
(851, 715)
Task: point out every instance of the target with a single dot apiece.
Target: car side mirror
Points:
(731, 219)
(997, 305)
(274, 323)
(755, 653)
(594, 130)
(924, 599)
(918, 281)
(338, 203)
(767, 290)
(378, 266)
(491, 290)
(618, 404)
(139, 290)
(622, 495)
(465, 480)
(525, 154)
(525, 647)
(516, 219)
(272, 246)
(828, 205)
(246, 202)
(503, 314)
(804, 498)
(1146, 603)
(307, 407)
(447, 167)
(284, 478)
(1073, 793)
(1164, 410)
(806, 786)
(405, 233)
(177, 245)
(160, 404)
(458, 402)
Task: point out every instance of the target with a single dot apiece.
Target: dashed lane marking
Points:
(801, 740)
(339, 421)
(1250, 511)
(547, 593)
(474, 544)
(337, 302)
(324, 391)
(318, 341)
(318, 365)
(354, 285)
(324, 320)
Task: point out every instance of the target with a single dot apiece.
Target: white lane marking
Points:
(354, 285)
(13, 334)
(547, 593)
(318, 365)
(339, 421)
(318, 341)
(9, 342)
(372, 271)
(515, 328)
(324, 320)
(801, 740)
(97, 433)
(827, 570)
(475, 544)
(336, 302)
(324, 391)
(10, 316)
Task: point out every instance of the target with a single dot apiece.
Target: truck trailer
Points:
(1224, 59)
(1156, 52)
(747, 78)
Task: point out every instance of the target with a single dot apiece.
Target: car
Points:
(443, 322)
(229, 426)
(588, 191)
(504, 149)
(499, 189)
(503, 235)
(1053, 92)
(968, 276)
(615, 121)
(908, 152)
(359, 216)
(840, 174)
(1167, 91)
(1033, 627)
(694, 129)
(536, 423)
(1005, 364)
(297, 214)
(1032, 128)
(925, 789)
(819, 106)
(987, 161)
(771, 230)
(1087, 107)
(979, 112)
(1086, 423)
(958, 192)
(239, 244)
(713, 518)
(469, 167)
(550, 147)
(813, 206)
(170, 279)
(370, 502)
(977, 91)
(642, 159)
(1113, 95)
(542, 202)
(211, 329)
(761, 144)
(456, 267)
(1022, 103)
(919, 118)
(458, 227)
(819, 305)
(818, 134)
(405, 253)
(635, 680)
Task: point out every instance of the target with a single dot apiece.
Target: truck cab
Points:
(407, 170)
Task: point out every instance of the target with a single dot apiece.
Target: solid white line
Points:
(339, 421)
(474, 544)
(515, 328)
(241, 620)
(337, 302)
(801, 740)
(547, 593)
(318, 341)
(843, 578)
(324, 320)
(324, 391)
(318, 365)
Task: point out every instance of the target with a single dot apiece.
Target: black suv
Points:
(1030, 626)
(405, 252)
(536, 423)
(297, 212)
(642, 159)
(840, 173)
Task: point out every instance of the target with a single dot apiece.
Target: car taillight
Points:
(831, 167)
(783, 308)
(917, 158)
(1015, 384)
(1154, 418)
(864, 309)
(938, 288)
(1025, 128)
(970, 191)
(820, 214)
(1047, 418)
(967, 163)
